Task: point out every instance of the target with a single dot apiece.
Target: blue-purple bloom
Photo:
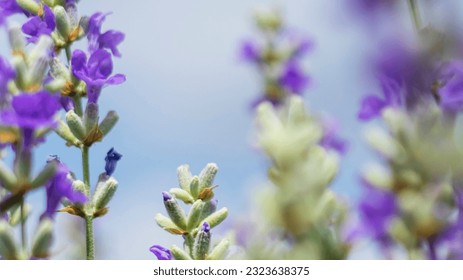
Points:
(451, 93)
(30, 112)
(250, 52)
(108, 40)
(161, 253)
(112, 157)
(7, 8)
(205, 227)
(37, 25)
(95, 72)
(293, 78)
(331, 139)
(166, 196)
(377, 208)
(59, 187)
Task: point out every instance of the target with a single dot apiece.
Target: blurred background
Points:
(188, 98)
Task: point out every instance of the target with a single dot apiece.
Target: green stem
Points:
(415, 14)
(23, 225)
(89, 240)
(85, 167)
(68, 52)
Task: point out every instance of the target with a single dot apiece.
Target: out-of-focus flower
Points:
(372, 105)
(37, 25)
(59, 187)
(7, 8)
(293, 78)
(161, 253)
(30, 112)
(112, 157)
(6, 74)
(95, 72)
(377, 208)
(451, 93)
(331, 140)
(107, 40)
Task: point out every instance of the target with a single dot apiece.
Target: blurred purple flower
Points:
(59, 187)
(95, 72)
(7, 8)
(377, 207)
(67, 103)
(112, 157)
(293, 78)
(6, 74)
(108, 40)
(161, 253)
(250, 52)
(37, 26)
(451, 93)
(31, 111)
(331, 140)
(372, 105)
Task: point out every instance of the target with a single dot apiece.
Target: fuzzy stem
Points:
(23, 225)
(89, 238)
(68, 52)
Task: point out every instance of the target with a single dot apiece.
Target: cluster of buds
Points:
(195, 227)
(302, 208)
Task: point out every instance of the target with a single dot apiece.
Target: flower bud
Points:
(166, 224)
(104, 191)
(8, 179)
(194, 217)
(194, 186)
(42, 239)
(16, 217)
(202, 242)
(31, 6)
(179, 254)
(91, 117)
(17, 41)
(183, 195)
(206, 177)
(208, 208)
(42, 48)
(37, 72)
(184, 177)
(75, 125)
(21, 72)
(64, 132)
(219, 250)
(174, 210)
(63, 22)
(217, 217)
(7, 245)
(108, 122)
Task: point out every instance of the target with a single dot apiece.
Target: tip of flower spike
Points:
(166, 196)
(53, 158)
(206, 228)
(112, 157)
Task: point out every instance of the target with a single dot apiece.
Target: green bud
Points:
(175, 212)
(59, 70)
(49, 3)
(194, 186)
(15, 214)
(219, 250)
(64, 132)
(206, 177)
(179, 254)
(108, 122)
(184, 177)
(17, 41)
(202, 243)
(42, 239)
(168, 225)
(104, 192)
(21, 72)
(44, 176)
(63, 22)
(37, 71)
(216, 218)
(41, 49)
(7, 245)
(194, 217)
(79, 186)
(75, 125)
(208, 208)
(269, 20)
(31, 6)
(55, 85)
(7, 177)
(91, 117)
(182, 195)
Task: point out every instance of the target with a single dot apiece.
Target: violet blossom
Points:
(95, 72)
(107, 40)
(112, 157)
(331, 140)
(161, 253)
(37, 25)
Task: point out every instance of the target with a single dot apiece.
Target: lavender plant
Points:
(414, 202)
(304, 215)
(195, 227)
(33, 89)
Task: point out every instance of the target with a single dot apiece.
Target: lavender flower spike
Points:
(161, 253)
(112, 157)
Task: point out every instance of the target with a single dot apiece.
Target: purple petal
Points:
(110, 40)
(370, 107)
(161, 253)
(116, 79)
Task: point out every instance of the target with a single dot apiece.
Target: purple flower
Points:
(112, 157)
(37, 26)
(59, 187)
(331, 140)
(166, 196)
(293, 78)
(377, 208)
(108, 40)
(161, 253)
(250, 52)
(7, 8)
(30, 112)
(451, 93)
(6, 74)
(372, 105)
(67, 103)
(95, 72)
(205, 227)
